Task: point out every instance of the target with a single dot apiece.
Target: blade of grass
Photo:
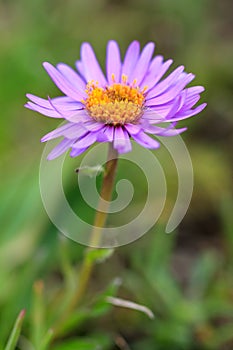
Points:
(14, 336)
(38, 314)
(47, 339)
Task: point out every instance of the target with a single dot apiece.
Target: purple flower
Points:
(130, 101)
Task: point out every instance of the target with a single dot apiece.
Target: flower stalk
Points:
(95, 240)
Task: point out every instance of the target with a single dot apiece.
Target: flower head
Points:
(130, 101)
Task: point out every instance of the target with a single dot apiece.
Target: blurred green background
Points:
(185, 277)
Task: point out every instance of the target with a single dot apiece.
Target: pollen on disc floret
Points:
(116, 104)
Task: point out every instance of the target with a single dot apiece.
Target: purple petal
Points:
(166, 65)
(182, 100)
(177, 104)
(80, 67)
(70, 131)
(155, 114)
(57, 132)
(77, 151)
(187, 114)
(169, 131)
(154, 68)
(62, 83)
(58, 107)
(113, 62)
(62, 147)
(172, 132)
(172, 92)
(121, 140)
(66, 106)
(144, 140)
(109, 132)
(72, 77)
(65, 100)
(62, 102)
(91, 66)
(159, 112)
(102, 136)
(78, 116)
(132, 128)
(166, 109)
(165, 84)
(142, 65)
(192, 96)
(154, 76)
(85, 141)
(45, 111)
(93, 125)
(75, 132)
(131, 58)
(40, 101)
(156, 64)
(195, 90)
(190, 102)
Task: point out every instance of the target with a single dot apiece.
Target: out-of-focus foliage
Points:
(185, 278)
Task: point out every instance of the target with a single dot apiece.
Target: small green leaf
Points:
(13, 339)
(99, 255)
(91, 171)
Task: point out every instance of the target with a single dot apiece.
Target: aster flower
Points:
(129, 102)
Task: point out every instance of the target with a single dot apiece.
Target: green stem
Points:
(99, 222)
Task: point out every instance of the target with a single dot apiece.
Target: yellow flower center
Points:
(116, 104)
